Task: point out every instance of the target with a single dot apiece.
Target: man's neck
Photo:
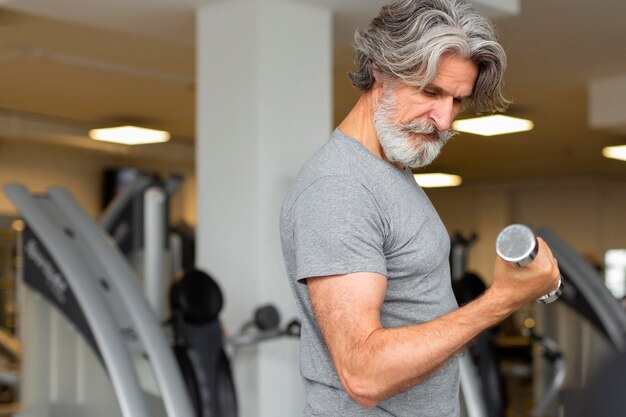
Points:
(359, 124)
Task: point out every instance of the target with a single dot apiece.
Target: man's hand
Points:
(522, 285)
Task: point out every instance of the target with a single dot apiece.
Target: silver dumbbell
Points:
(517, 244)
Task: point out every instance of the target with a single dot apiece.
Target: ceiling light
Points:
(492, 125)
(129, 135)
(615, 152)
(437, 180)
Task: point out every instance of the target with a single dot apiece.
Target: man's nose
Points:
(443, 113)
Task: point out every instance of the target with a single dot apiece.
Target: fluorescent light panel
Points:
(497, 124)
(615, 152)
(437, 180)
(129, 135)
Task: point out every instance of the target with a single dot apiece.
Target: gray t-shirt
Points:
(350, 211)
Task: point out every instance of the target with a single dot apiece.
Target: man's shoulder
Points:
(330, 162)
(340, 157)
(328, 159)
(326, 187)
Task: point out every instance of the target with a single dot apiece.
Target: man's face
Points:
(413, 126)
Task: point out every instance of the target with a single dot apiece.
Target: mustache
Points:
(426, 128)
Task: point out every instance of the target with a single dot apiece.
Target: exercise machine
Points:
(76, 266)
(72, 263)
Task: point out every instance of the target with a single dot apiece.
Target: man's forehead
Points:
(442, 90)
(456, 76)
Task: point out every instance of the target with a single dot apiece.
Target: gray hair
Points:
(409, 37)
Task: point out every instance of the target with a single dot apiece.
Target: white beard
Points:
(396, 140)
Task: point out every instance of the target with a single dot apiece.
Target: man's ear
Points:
(379, 81)
(377, 75)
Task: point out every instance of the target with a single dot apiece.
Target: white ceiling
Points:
(86, 63)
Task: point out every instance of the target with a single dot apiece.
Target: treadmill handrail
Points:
(111, 345)
(123, 277)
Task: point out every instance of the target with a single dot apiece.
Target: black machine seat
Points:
(195, 302)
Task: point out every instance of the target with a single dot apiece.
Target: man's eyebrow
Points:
(441, 90)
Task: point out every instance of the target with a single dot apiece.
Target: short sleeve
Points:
(338, 229)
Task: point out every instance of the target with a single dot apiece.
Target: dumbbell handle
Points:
(517, 244)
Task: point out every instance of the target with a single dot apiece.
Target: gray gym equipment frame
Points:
(611, 317)
(556, 384)
(114, 210)
(51, 218)
(471, 396)
(155, 237)
(150, 238)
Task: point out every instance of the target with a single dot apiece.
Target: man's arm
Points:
(374, 363)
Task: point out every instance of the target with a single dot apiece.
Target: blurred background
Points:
(247, 90)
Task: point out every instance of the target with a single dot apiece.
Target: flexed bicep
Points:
(347, 309)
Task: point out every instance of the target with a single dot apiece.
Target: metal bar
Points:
(115, 209)
(154, 244)
(556, 385)
(176, 254)
(110, 342)
(10, 378)
(121, 275)
(470, 388)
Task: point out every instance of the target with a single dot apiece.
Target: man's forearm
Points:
(392, 360)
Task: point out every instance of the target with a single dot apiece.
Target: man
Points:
(365, 251)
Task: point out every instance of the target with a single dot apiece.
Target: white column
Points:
(264, 106)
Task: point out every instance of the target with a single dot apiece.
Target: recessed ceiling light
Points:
(497, 124)
(437, 180)
(615, 152)
(129, 135)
